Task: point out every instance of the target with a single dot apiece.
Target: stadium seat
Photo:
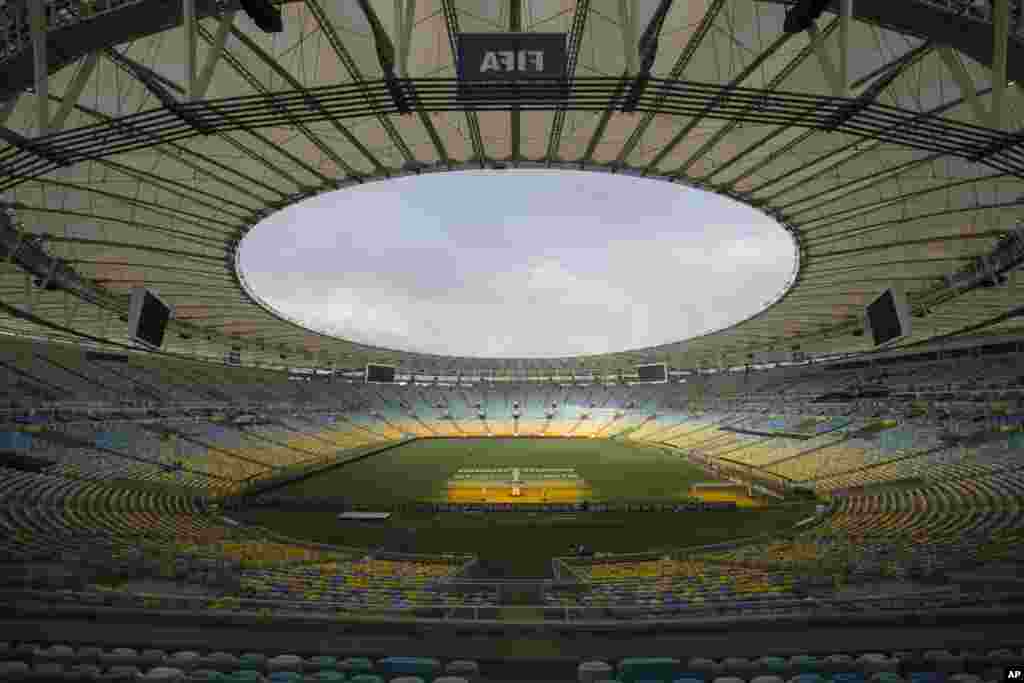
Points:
(285, 663)
(366, 678)
(594, 670)
(164, 675)
(872, 663)
(186, 660)
(708, 668)
(121, 656)
(200, 675)
(85, 671)
(219, 661)
(356, 665)
(253, 661)
(634, 669)
(886, 677)
(285, 677)
(739, 667)
(464, 668)
(776, 666)
(45, 671)
(62, 654)
(332, 676)
(122, 672)
(423, 667)
(944, 661)
(243, 676)
(320, 663)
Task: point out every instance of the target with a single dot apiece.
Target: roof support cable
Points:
(648, 49)
(153, 83)
(386, 56)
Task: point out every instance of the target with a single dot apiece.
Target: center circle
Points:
(517, 264)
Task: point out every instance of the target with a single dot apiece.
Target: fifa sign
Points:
(499, 64)
(506, 60)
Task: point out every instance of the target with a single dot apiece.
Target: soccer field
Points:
(422, 470)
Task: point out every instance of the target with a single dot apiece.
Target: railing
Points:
(924, 600)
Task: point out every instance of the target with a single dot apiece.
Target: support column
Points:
(37, 28)
(189, 24)
(845, 19)
(1000, 47)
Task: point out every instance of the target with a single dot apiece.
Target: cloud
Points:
(519, 265)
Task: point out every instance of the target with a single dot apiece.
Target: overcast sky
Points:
(517, 263)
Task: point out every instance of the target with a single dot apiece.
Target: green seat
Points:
(321, 663)
(806, 664)
(366, 678)
(243, 676)
(356, 665)
(634, 669)
(205, 675)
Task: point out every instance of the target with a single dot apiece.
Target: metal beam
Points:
(965, 83)
(220, 39)
(74, 90)
(451, 22)
(188, 13)
(405, 37)
(835, 82)
(327, 29)
(695, 41)
(40, 64)
(845, 20)
(7, 108)
(579, 23)
(1000, 49)
(752, 67)
(515, 25)
(240, 67)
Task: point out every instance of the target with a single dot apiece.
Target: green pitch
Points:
(614, 470)
(420, 470)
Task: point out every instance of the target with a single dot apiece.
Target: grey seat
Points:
(186, 660)
(164, 674)
(592, 671)
(464, 668)
(62, 654)
(706, 667)
(876, 662)
(285, 663)
(740, 667)
(45, 671)
(944, 661)
(13, 671)
(219, 661)
(120, 656)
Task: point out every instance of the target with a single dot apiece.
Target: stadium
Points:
(197, 483)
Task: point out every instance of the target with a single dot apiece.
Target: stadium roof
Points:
(903, 171)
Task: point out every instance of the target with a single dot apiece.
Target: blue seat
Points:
(285, 677)
(926, 677)
(424, 667)
(687, 677)
(637, 669)
(849, 677)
